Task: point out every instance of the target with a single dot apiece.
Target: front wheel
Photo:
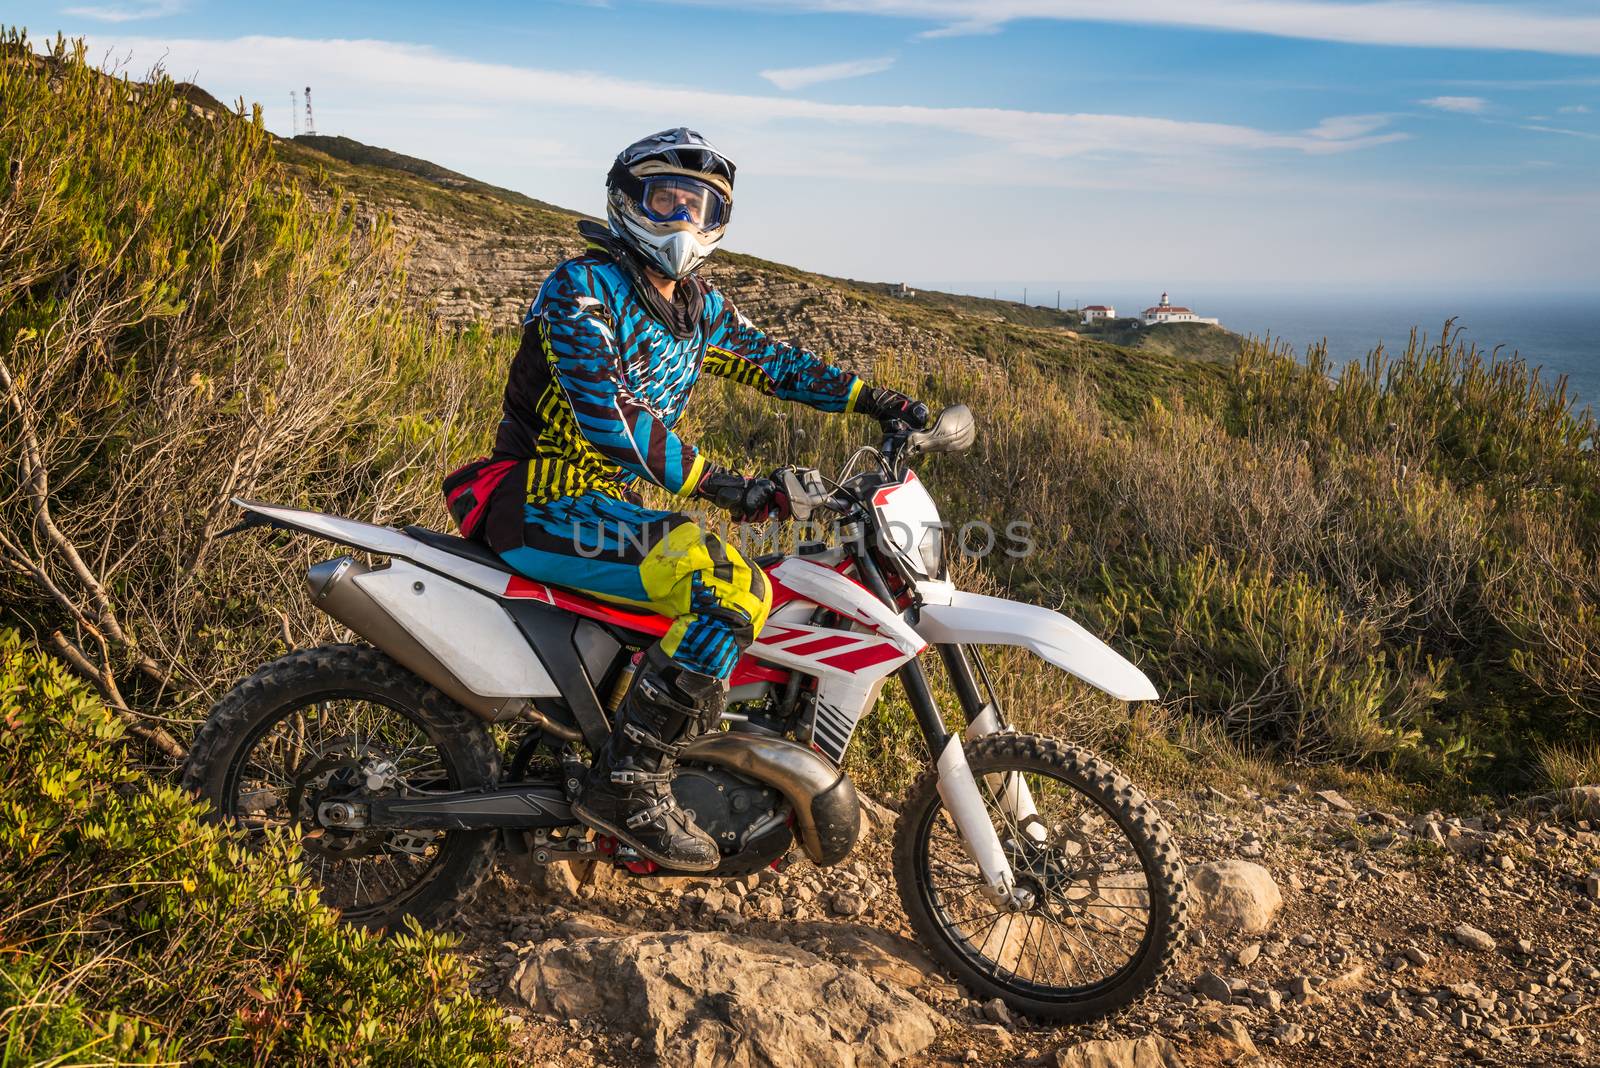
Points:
(1103, 877)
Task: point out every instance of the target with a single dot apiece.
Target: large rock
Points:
(1582, 802)
(711, 999)
(1235, 895)
(1148, 1052)
(881, 954)
(876, 818)
(1473, 937)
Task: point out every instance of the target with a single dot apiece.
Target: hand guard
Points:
(889, 405)
(803, 490)
(747, 500)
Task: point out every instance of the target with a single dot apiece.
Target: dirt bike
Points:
(1032, 869)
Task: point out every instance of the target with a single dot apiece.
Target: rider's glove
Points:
(748, 500)
(887, 405)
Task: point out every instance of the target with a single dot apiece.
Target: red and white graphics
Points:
(849, 665)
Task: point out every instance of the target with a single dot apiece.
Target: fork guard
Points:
(976, 619)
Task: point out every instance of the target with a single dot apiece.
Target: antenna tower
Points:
(311, 126)
(294, 111)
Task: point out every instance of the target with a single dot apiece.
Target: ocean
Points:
(1559, 332)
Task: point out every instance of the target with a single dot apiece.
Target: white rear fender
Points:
(439, 619)
(975, 619)
(385, 541)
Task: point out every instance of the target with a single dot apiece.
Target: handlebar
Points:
(952, 431)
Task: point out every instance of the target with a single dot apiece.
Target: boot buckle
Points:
(639, 778)
(640, 736)
(647, 815)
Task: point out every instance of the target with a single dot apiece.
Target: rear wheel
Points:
(1104, 880)
(337, 721)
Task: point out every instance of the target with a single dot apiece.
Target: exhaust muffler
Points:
(824, 799)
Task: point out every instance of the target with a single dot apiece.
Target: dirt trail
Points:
(1366, 960)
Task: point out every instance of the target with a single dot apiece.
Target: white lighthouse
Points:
(1167, 312)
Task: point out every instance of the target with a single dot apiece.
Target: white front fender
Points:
(974, 619)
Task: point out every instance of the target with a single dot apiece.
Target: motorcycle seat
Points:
(572, 600)
(475, 551)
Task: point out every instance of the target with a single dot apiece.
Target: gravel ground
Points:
(1402, 939)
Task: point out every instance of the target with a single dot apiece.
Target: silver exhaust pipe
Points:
(334, 593)
(823, 797)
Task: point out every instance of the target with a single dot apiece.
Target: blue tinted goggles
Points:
(677, 198)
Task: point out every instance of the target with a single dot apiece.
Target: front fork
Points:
(958, 787)
(987, 717)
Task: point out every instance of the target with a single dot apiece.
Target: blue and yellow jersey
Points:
(599, 384)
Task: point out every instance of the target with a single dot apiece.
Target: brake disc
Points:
(340, 772)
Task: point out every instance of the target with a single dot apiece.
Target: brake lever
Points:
(805, 490)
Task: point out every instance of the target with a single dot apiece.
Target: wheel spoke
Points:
(323, 748)
(1087, 909)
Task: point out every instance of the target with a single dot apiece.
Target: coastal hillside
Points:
(1201, 341)
(476, 254)
(1370, 596)
(1134, 461)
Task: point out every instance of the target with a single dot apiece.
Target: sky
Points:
(1394, 145)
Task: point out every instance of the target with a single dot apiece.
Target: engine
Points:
(748, 820)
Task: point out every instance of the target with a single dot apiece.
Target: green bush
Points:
(1277, 655)
(182, 322)
(137, 932)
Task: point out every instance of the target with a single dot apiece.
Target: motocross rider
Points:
(611, 349)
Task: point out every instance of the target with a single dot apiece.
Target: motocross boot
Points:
(628, 790)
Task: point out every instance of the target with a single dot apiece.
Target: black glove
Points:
(748, 500)
(885, 405)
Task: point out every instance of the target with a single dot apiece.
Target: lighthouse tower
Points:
(1168, 312)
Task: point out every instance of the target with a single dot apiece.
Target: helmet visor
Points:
(677, 198)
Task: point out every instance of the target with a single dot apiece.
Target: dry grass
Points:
(180, 327)
(1563, 766)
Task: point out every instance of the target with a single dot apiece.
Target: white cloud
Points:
(405, 69)
(800, 77)
(1574, 109)
(1466, 105)
(1585, 134)
(1344, 128)
(127, 12)
(1409, 23)
(967, 28)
